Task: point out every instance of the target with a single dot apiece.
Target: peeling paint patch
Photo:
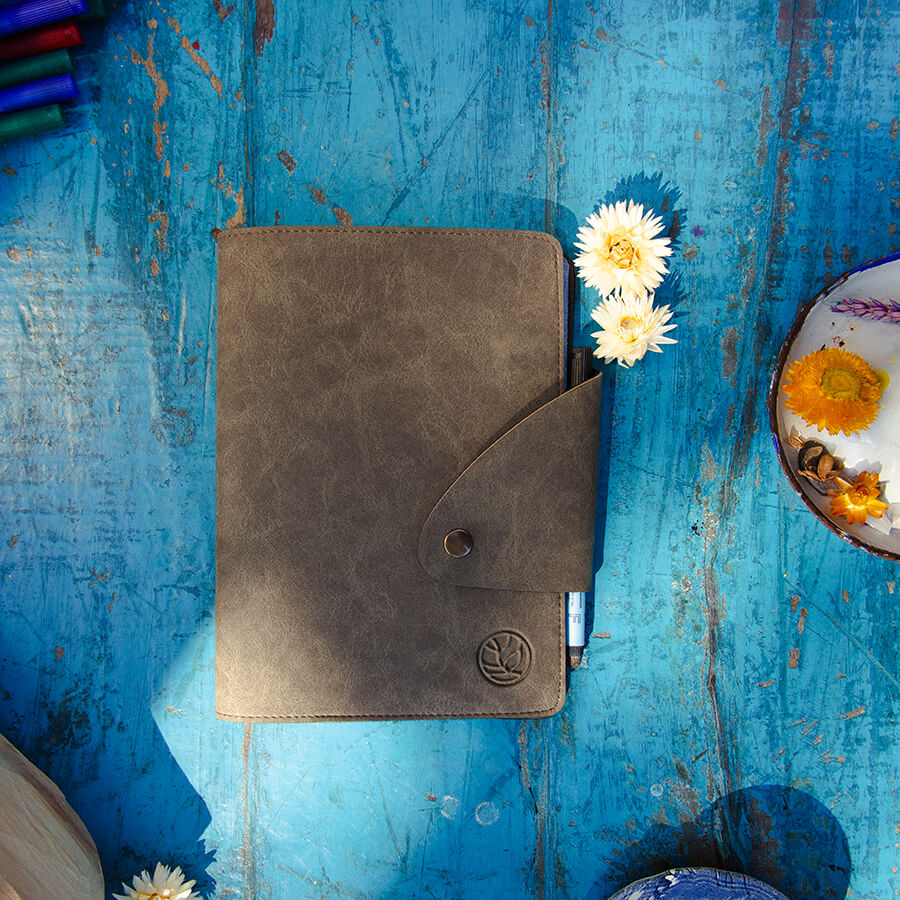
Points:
(160, 88)
(690, 252)
(342, 216)
(204, 66)
(828, 54)
(890, 586)
(160, 232)
(854, 713)
(794, 20)
(801, 624)
(827, 757)
(794, 658)
(264, 26)
(223, 11)
(675, 227)
(894, 129)
(729, 354)
(768, 683)
(318, 195)
(782, 187)
(248, 858)
(766, 124)
(240, 214)
(13, 254)
(721, 83)
(59, 652)
(708, 471)
(288, 162)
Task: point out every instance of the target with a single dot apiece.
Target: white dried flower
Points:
(165, 884)
(630, 326)
(620, 251)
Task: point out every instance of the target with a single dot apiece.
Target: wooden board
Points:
(738, 701)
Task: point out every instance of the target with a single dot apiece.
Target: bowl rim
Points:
(772, 407)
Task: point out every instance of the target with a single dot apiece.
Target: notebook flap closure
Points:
(521, 516)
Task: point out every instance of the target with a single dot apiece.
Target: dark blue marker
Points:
(38, 93)
(31, 13)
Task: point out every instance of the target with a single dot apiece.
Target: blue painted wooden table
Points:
(738, 702)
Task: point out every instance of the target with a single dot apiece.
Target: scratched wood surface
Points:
(738, 702)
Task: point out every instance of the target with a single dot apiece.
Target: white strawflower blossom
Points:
(165, 884)
(630, 326)
(620, 251)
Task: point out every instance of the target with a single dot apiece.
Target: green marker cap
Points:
(31, 68)
(94, 13)
(30, 121)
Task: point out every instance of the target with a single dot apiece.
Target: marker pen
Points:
(30, 121)
(38, 93)
(40, 40)
(31, 13)
(18, 71)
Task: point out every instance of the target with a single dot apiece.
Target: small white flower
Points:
(165, 884)
(630, 326)
(620, 250)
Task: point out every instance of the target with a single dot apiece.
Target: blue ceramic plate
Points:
(698, 884)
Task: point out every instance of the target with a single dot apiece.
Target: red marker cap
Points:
(40, 40)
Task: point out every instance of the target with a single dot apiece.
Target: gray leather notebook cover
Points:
(403, 488)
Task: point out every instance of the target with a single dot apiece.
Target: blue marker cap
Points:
(38, 93)
(31, 13)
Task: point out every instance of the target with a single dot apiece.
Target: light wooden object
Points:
(45, 851)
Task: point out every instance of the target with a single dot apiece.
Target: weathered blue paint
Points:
(738, 700)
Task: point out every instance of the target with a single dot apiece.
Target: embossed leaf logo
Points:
(513, 660)
(504, 658)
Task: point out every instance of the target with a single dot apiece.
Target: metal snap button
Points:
(458, 543)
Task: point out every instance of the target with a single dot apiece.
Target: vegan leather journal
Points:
(404, 488)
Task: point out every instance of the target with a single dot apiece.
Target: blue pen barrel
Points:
(38, 93)
(31, 13)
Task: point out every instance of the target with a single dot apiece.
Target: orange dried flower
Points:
(856, 502)
(833, 389)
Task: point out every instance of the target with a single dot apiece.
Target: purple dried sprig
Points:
(877, 310)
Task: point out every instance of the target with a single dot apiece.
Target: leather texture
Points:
(360, 372)
(528, 503)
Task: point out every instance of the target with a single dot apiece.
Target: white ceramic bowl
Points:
(877, 449)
